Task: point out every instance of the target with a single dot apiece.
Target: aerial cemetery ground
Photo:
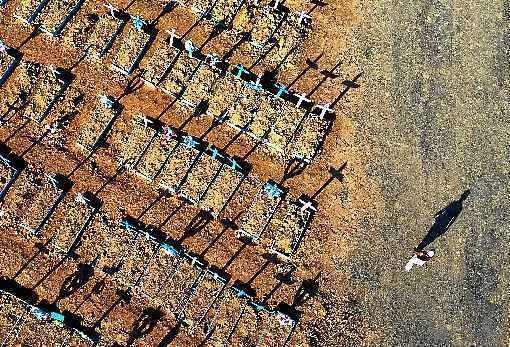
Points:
(178, 172)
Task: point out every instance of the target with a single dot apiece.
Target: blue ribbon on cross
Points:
(282, 90)
(272, 190)
(138, 22)
(234, 165)
(214, 152)
(57, 316)
(189, 142)
(170, 249)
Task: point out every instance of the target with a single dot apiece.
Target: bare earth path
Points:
(435, 122)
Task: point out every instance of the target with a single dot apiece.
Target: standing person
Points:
(419, 258)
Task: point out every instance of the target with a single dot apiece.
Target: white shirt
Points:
(417, 261)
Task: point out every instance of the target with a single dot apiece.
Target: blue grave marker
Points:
(258, 306)
(57, 317)
(240, 70)
(215, 153)
(138, 22)
(235, 165)
(189, 142)
(272, 190)
(130, 224)
(190, 48)
(170, 250)
(282, 90)
(257, 86)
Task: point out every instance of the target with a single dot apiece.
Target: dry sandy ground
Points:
(435, 122)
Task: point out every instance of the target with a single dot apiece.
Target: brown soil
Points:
(82, 119)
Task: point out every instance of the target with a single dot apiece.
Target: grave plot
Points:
(12, 317)
(223, 96)
(158, 64)
(223, 321)
(261, 210)
(207, 294)
(245, 332)
(200, 7)
(137, 140)
(10, 169)
(40, 266)
(200, 178)
(159, 149)
(284, 127)
(177, 290)
(285, 228)
(80, 30)
(76, 338)
(160, 271)
(223, 187)
(99, 125)
(27, 10)
(24, 79)
(134, 45)
(48, 90)
(128, 325)
(56, 14)
(41, 193)
(98, 299)
(79, 215)
(39, 328)
(136, 261)
(263, 24)
(275, 328)
(224, 10)
(9, 58)
(290, 39)
(179, 164)
(309, 137)
(105, 31)
(180, 74)
(263, 119)
(117, 247)
(246, 106)
(201, 84)
(189, 293)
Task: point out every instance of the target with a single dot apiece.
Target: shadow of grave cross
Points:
(335, 174)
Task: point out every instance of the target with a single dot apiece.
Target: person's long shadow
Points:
(444, 220)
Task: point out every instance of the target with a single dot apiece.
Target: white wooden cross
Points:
(324, 109)
(302, 16)
(172, 36)
(301, 98)
(3, 47)
(307, 205)
(111, 8)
